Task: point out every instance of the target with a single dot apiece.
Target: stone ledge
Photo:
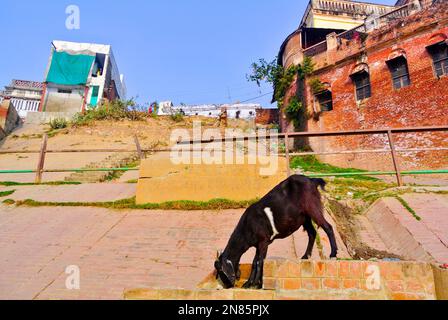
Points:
(321, 280)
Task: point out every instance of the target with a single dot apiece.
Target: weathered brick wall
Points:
(318, 280)
(423, 103)
(267, 116)
(350, 280)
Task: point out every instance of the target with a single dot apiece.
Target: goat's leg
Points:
(330, 233)
(253, 273)
(238, 273)
(263, 251)
(309, 228)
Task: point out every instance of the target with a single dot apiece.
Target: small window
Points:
(362, 84)
(439, 53)
(98, 66)
(64, 91)
(325, 100)
(400, 72)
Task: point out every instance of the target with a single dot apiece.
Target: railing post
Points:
(288, 158)
(395, 158)
(141, 155)
(40, 164)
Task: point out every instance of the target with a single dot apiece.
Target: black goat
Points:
(293, 203)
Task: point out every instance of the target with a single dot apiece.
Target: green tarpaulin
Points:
(71, 70)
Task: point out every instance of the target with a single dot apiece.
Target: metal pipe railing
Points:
(386, 131)
(286, 136)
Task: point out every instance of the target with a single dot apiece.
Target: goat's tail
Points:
(319, 183)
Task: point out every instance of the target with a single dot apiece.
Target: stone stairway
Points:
(422, 237)
(116, 160)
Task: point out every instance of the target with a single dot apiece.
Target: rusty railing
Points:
(141, 152)
(389, 132)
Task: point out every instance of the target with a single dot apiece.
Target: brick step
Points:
(320, 280)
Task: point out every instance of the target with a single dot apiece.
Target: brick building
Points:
(391, 71)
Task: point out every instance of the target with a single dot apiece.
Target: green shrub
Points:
(114, 110)
(58, 123)
(177, 117)
(294, 108)
(279, 77)
(316, 85)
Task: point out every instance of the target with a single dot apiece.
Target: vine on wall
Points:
(316, 85)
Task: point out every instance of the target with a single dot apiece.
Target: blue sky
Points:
(190, 51)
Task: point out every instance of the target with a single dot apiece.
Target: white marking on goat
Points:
(270, 216)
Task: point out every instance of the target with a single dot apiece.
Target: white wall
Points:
(24, 106)
(247, 111)
(117, 77)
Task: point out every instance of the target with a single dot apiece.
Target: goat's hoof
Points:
(333, 258)
(252, 286)
(305, 257)
(257, 286)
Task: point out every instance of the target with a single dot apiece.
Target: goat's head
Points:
(225, 271)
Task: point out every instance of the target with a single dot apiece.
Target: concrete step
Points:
(404, 235)
(114, 161)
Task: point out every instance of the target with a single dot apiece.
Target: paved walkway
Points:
(104, 192)
(115, 250)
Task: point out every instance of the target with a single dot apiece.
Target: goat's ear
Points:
(218, 265)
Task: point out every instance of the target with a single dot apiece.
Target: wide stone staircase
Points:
(115, 160)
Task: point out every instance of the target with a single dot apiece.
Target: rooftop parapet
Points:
(370, 25)
(344, 13)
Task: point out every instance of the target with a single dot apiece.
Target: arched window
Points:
(362, 84)
(439, 54)
(361, 78)
(325, 100)
(400, 72)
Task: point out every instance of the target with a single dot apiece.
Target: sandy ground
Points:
(82, 193)
(153, 133)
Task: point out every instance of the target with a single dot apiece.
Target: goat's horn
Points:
(217, 254)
